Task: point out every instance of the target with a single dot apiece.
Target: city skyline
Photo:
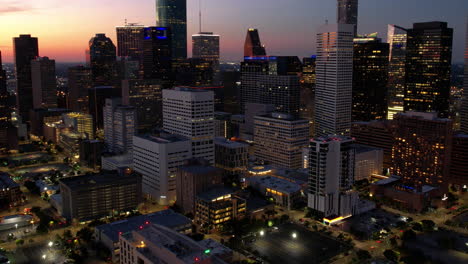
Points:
(298, 24)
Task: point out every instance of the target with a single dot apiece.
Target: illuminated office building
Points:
(173, 14)
(206, 46)
(370, 76)
(44, 83)
(119, 126)
(25, 50)
(79, 81)
(253, 46)
(101, 57)
(308, 70)
(157, 54)
(428, 66)
(334, 85)
(422, 149)
(130, 41)
(347, 13)
(464, 108)
(8, 133)
(397, 38)
(81, 123)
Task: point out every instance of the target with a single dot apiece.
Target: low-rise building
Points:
(10, 193)
(284, 192)
(231, 156)
(117, 162)
(368, 162)
(109, 234)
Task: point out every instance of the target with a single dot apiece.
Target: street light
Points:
(16, 226)
(262, 233)
(51, 243)
(44, 256)
(294, 235)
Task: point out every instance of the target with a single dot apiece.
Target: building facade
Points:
(231, 156)
(157, 53)
(368, 162)
(459, 159)
(119, 126)
(44, 83)
(79, 81)
(253, 46)
(101, 57)
(173, 14)
(205, 45)
(397, 40)
(130, 41)
(347, 13)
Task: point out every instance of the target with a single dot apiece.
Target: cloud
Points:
(14, 8)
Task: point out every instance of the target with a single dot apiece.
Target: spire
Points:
(200, 15)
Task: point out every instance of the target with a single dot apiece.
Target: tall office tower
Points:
(253, 46)
(397, 38)
(307, 94)
(146, 97)
(157, 54)
(422, 148)
(81, 123)
(127, 69)
(190, 113)
(25, 49)
(97, 99)
(282, 91)
(8, 133)
(348, 13)
(370, 76)
(205, 46)
(157, 159)
(119, 126)
(130, 41)
(173, 14)
(101, 57)
(309, 70)
(464, 108)
(44, 83)
(79, 81)
(331, 176)
(334, 85)
(194, 72)
(428, 65)
(280, 138)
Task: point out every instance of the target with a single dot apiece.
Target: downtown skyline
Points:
(298, 27)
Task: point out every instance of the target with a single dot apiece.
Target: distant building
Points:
(231, 156)
(459, 159)
(368, 162)
(101, 57)
(205, 45)
(217, 206)
(25, 50)
(428, 79)
(279, 139)
(109, 234)
(157, 53)
(10, 193)
(119, 126)
(309, 70)
(193, 179)
(44, 83)
(157, 159)
(94, 196)
(190, 113)
(397, 40)
(284, 193)
(97, 99)
(253, 46)
(348, 11)
(79, 81)
(334, 85)
(331, 167)
(194, 72)
(130, 41)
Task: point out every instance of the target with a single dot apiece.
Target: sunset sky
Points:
(287, 27)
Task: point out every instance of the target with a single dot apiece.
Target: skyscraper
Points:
(173, 14)
(157, 54)
(397, 38)
(79, 81)
(464, 107)
(190, 113)
(331, 176)
(101, 57)
(44, 83)
(348, 13)
(130, 41)
(334, 83)
(428, 66)
(119, 126)
(206, 46)
(253, 46)
(97, 99)
(25, 49)
(8, 133)
(370, 75)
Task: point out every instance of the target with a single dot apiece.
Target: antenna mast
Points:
(200, 17)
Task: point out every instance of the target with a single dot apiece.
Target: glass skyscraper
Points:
(173, 14)
(397, 37)
(348, 13)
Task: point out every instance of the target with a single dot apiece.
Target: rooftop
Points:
(199, 169)
(331, 139)
(6, 182)
(167, 218)
(277, 184)
(215, 193)
(215, 247)
(163, 138)
(93, 179)
(364, 148)
(229, 143)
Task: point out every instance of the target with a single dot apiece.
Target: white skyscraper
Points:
(119, 126)
(334, 80)
(157, 158)
(331, 175)
(190, 113)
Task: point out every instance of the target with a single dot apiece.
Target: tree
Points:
(417, 227)
(363, 254)
(428, 225)
(391, 255)
(86, 234)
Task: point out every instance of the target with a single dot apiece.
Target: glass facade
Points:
(173, 14)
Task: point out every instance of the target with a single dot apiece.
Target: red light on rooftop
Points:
(147, 223)
(141, 227)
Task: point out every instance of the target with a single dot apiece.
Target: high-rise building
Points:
(205, 45)
(347, 13)
(194, 72)
(146, 97)
(101, 57)
(253, 46)
(8, 133)
(81, 123)
(464, 107)
(79, 81)
(130, 41)
(173, 14)
(44, 83)
(97, 99)
(157, 159)
(331, 176)
(119, 126)
(157, 53)
(308, 70)
(428, 66)
(231, 156)
(190, 113)
(422, 149)
(397, 39)
(334, 85)
(25, 49)
(459, 159)
(280, 138)
(370, 76)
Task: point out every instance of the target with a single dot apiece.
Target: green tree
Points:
(391, 255)
(363, 254)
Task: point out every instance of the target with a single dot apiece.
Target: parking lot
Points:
(295, 244)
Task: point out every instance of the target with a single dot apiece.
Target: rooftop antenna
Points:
(200, 16)
(326, 21)
(125, 22)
